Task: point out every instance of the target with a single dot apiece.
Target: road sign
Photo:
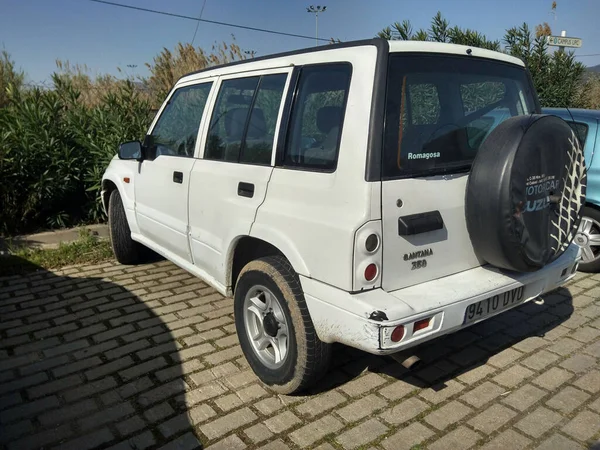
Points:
(563, 41)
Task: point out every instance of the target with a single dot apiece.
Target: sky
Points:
(38, 32)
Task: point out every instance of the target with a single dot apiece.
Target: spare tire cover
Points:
(525, 193)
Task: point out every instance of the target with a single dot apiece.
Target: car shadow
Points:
(86, 363)
(448, 357)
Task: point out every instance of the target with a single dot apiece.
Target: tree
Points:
(168, 66)
(440, 31)
(556, 75)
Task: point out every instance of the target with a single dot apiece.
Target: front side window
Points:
(177, 127)
(440, 108)
(317, 116)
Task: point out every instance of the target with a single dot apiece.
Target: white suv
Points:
(376, 194)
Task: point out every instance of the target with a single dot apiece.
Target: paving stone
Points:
(282, 422)
(504, 358)
(585, 334)
(447, 415)
(461, 437)
(397, 390)
(130, 425)
(482, 394)
(186, 442)
(223, 425)
(321, 403)
(362, 434)
(593, 349)
(404, 411)
(513, 376)
(92, 440)
(578, 363)
(567, 400)
(441, 392)
(28, 409)
(407, 438)
(540, 360)
(139, 442)
(559, 442)
(159, 412)
(538, 422)
(589, 382)
(107, 415)
(472, 376)
(362, 384)
(361, 408)
(41, 439)
(314, 431)
(524, 397)
(552, 378)
(508, 439)
(277, 445)
(583, 426)
(269, 405)
(258, 433)
(492, 418)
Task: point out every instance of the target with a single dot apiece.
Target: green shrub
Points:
(54, 149)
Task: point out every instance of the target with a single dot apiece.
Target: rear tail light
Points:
(398, 333)
(367, 257)
(421, 324)
(371, 272)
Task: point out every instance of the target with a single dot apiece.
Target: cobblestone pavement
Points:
(147, 356)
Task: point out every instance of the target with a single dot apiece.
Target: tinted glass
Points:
(317, 116)
(257, 147)
(177, 128)
(581, 131)
(440, 108)
(229, 119)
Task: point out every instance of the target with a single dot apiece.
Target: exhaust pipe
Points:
(409, 362)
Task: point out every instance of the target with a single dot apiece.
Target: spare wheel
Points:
(525, 193)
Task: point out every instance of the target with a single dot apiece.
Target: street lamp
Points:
(132, 67)
(316, 10)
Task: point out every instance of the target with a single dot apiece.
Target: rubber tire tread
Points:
(593, 267)
(125, 249)
(318, 353)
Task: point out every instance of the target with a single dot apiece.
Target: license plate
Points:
(491, 305)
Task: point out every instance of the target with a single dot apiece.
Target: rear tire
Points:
(125, 249)
(270, 311)
(588, 233)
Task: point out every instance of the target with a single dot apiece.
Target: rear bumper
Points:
(366, 320)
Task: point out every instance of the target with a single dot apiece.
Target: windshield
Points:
(440, 108)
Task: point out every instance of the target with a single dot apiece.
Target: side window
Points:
(229, 119)
(580, 130)
(258, 143)
(176, 130)
(317, 116)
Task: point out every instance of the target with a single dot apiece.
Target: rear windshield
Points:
(440, 108)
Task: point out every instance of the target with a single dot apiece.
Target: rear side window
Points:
(440, 108)
(580, 130)
(242, 127)
(176, 130)
(317, 116)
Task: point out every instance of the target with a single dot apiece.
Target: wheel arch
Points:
(247, 248)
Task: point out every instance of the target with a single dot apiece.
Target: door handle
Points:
(245, 189)
(420, 223)
(178, 177)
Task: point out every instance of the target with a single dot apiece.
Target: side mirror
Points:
(131, 150)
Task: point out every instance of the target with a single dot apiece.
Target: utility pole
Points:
(316, 10)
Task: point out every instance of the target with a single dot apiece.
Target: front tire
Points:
(588, 238)
(125, 249)
(274, 327)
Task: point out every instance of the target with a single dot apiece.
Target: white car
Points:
(363, 193)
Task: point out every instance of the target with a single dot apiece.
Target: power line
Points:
(181, 16)
(198, 23)
(591, 54)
